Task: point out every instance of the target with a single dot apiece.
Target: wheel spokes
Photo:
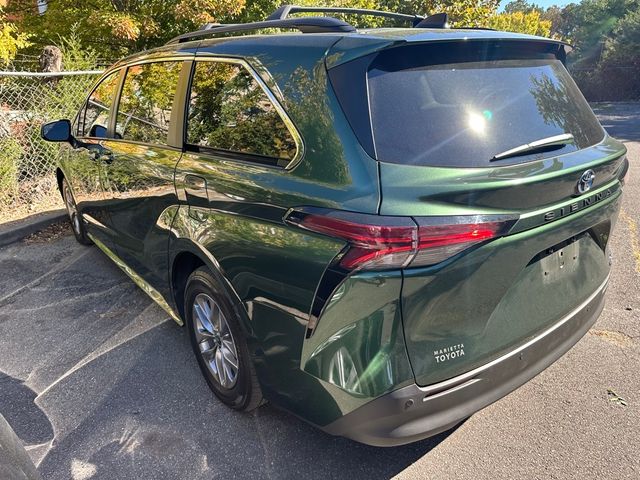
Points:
(220, 368)
(215, 341)
(202, 312)
(229, 353)
(216, 318)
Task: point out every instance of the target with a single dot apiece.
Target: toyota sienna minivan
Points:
(381, 230)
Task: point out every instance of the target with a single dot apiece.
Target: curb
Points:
(14, 231)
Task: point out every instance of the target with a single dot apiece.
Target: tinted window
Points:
(94, 118)
(462, 113)
(228, 110)
(145, 103)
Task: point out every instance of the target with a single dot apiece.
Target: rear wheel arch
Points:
(186, 258)
(183, 265)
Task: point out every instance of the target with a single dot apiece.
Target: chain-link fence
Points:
(27, 163)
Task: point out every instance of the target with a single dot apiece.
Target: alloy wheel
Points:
(215, 341)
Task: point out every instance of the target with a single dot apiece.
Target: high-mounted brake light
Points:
(380, 242)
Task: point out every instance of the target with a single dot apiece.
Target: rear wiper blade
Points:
(541, 145)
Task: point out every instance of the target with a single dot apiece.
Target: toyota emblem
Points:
(586, 181)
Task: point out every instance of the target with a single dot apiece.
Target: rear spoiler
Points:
(350, 47)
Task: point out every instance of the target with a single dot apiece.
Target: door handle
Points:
(195, 190)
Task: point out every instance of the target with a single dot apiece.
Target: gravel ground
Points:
(99, 383)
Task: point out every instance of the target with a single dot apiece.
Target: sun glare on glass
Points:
(476, 122)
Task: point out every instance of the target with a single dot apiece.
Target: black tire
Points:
(245, 393)
(75, 217)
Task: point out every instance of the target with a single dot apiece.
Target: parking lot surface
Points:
(99, 383)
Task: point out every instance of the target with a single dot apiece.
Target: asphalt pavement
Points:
(99, 383)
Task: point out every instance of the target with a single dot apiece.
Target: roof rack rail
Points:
(284, 11)
(303, 24)
(280, 19)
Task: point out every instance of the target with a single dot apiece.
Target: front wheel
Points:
(75, 217)
(219, 344)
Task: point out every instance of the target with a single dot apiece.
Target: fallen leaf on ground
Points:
(614, 397)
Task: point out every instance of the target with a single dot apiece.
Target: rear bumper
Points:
(413, 413)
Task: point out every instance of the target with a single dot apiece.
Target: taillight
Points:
(383, 242)
(437, 242)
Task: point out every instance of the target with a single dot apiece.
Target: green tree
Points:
(523, 22)
(620, 61)
(522, 6)
(469, 13)
(623, 45)
(119, 27)
(11, 40)
(588, 24)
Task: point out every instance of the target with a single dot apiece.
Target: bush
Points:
(10, 153)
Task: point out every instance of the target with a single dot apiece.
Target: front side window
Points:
(94, 118)
(146, 100)
(228, 110)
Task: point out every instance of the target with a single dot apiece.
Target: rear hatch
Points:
(486, 133)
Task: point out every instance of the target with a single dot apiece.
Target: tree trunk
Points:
(51, 59)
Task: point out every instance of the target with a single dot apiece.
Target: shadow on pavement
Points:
(621, 121)
(117, 383)
(18, 407)
(150, 414)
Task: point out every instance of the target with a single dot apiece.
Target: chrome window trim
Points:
(293, 131)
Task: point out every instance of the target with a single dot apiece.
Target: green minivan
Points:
(381, 230)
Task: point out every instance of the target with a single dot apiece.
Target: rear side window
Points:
(228, 110)
(145, 104)
(94, 119)
(462, 105)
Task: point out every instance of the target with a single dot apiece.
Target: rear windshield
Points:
(448, 111)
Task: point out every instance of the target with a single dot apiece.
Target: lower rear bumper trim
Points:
(413, 413)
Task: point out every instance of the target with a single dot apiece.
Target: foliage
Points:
(116, 28)
(559, 104)
(523, 22)
(229, 110)
(623, 45)
(10, 152)
(113, 29)
(522, 6)
(588, 24)
(75, 55)
(605, 36)
(260, 9)
(146, 100)
(619, 64)
(468, 13)
(11, 40)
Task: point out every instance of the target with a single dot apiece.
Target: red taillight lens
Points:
(375, 242)
(436, 243)
(378, 242)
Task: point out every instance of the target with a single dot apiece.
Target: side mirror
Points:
(98, 131)
(58, 131)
